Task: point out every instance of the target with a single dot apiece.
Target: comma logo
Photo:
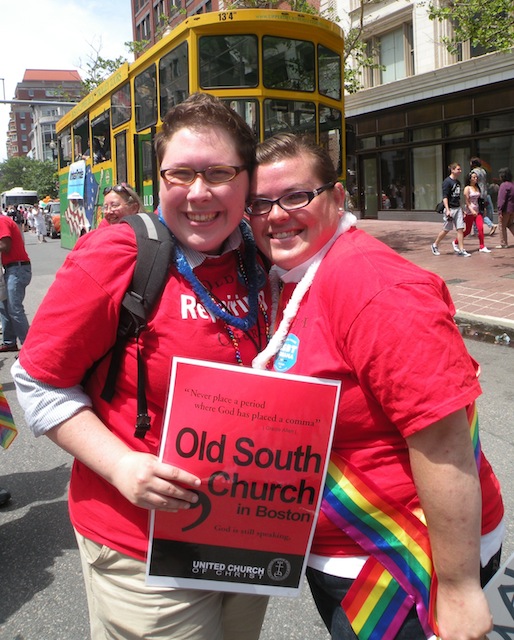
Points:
(279, 569)
(204, 504)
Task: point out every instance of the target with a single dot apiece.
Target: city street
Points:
(41, 590)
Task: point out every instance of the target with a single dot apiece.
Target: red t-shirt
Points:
(9, 229)
(76, 325)
(385, 328)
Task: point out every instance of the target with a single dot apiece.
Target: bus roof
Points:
(204, 19)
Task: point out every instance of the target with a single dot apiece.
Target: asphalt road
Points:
(41, 590)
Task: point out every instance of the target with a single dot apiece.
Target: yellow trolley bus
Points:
(280, 70)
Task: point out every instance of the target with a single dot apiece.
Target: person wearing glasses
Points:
(119, 201)
(402, 500)
(213, 307)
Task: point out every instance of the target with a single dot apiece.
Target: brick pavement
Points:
(482, 286)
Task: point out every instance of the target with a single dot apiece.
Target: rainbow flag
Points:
(399, 573)
(8, 430)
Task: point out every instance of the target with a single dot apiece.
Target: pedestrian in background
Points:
(472, 215)
(453, 216)
(40, 224)
(119, 201)
(485, 204)
(17, 274)
(505, 206)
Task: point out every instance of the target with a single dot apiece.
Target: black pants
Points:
(328, 591)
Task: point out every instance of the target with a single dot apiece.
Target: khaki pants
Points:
(122, 607)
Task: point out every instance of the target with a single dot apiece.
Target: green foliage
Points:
(489, 25)
(29, 174)
(97, 68)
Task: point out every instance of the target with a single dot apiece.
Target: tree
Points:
(489, 25)
(29, 174)
(97, 68)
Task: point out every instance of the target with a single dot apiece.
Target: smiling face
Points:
(116, 207)
(289, 238)
(202, 215)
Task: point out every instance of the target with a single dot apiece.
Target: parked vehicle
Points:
(53, 219)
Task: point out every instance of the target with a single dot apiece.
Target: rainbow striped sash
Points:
(7, 429)
(399, 572)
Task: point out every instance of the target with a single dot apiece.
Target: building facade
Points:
(152, 18)
(422, 109)
(32, 122)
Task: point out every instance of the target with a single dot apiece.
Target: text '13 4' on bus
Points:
(280, 70)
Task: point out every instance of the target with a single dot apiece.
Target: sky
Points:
(57, 34)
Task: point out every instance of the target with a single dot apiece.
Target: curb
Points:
(486, 328)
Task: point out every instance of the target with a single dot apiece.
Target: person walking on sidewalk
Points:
(17, 274)
(453, 216)
(505, 206)
(472, 215)
(485, 203)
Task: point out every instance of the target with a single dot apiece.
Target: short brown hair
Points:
(203, 110)
(290, 145)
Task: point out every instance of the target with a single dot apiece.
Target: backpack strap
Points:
(155, 246)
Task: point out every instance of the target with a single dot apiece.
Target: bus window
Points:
(228, 61)
(121, 106)
(329, 64)
(81, 149)
(289, 115)
(288, 64)
(248, 110)
(120, 143)
(173, 78)
(146, 159)
(101, 136)
(64, 147)
(145, 98)
(330, 134)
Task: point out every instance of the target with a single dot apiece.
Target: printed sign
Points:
(76, 178)
(259, 441)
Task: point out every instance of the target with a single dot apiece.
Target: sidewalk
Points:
(482, 287)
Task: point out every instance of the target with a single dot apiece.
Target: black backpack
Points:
(155, 249)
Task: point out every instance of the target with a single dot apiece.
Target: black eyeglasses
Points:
(217, 174)
(289, 202)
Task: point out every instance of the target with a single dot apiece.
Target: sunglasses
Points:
(120, 188)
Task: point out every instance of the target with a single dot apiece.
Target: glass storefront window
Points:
(495, 153)
(393, 170)
(427, 169)
(392, 138)
(368, 143)
(495, 123)
(460, 128)
(427, 133)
